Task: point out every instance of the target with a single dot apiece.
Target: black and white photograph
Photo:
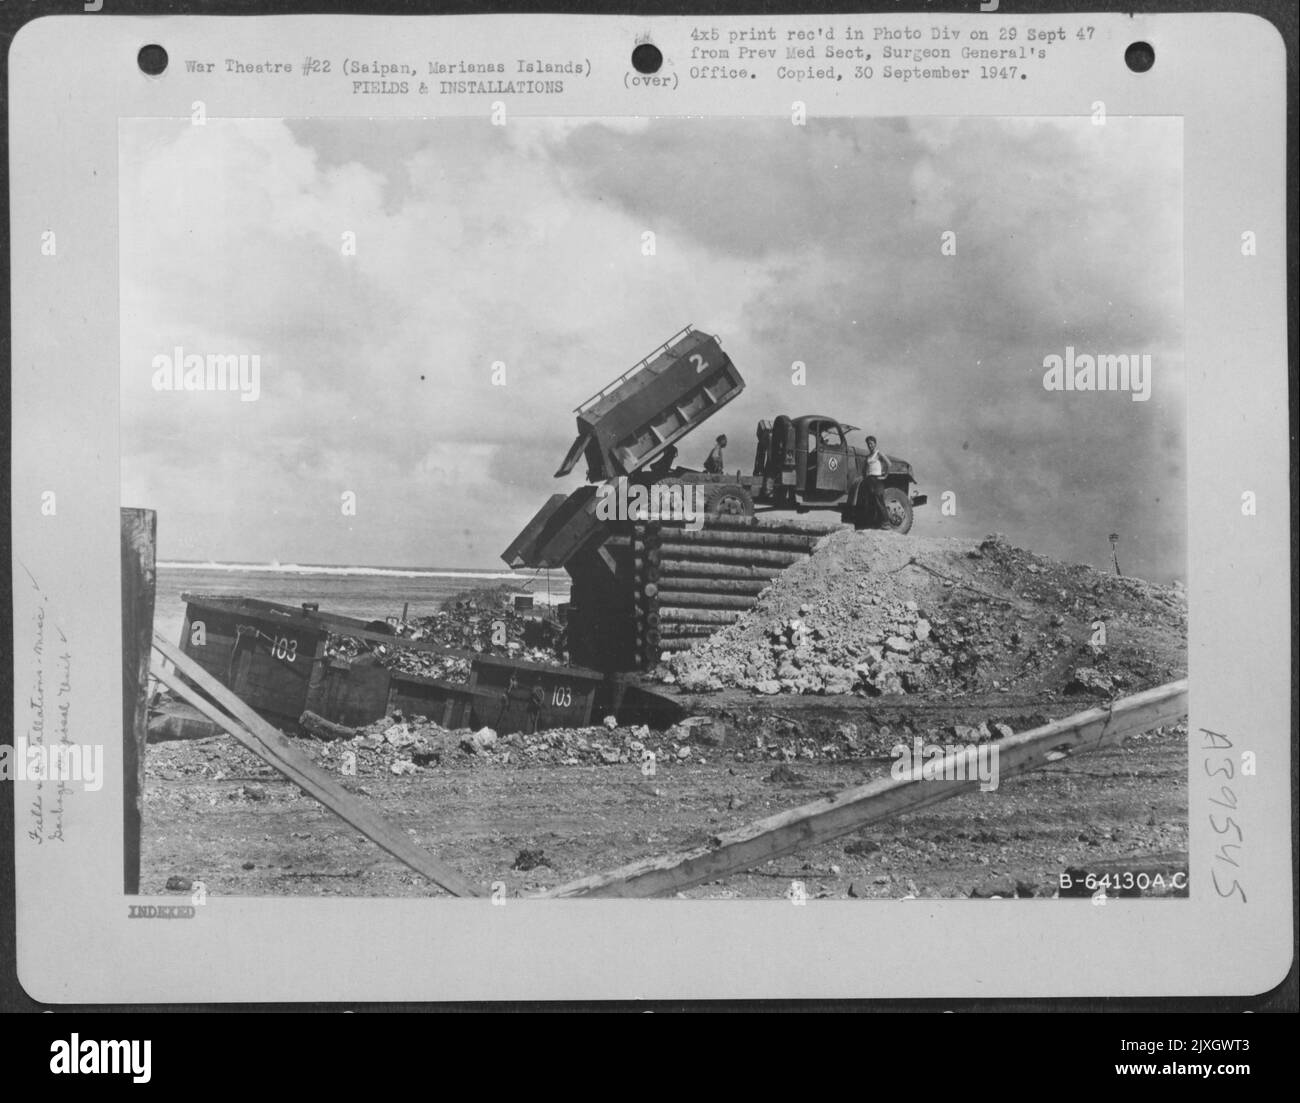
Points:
(878, 466)
(701, 507)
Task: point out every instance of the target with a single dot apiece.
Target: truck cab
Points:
(810, 462)
(829, 464)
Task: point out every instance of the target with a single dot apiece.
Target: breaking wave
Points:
(308, 569)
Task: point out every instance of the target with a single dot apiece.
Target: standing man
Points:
(877, 469)
(714, 465)
(664, 464)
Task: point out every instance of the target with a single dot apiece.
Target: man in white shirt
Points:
(714, 464)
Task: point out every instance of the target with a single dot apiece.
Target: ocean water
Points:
(372, 593)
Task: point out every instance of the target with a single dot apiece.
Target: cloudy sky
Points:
(523, 244)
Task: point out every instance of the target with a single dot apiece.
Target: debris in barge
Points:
(286, 661)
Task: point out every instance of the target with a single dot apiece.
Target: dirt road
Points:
(214, 813)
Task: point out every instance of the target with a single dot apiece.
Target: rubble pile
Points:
(480, 621)
(873, 615)
(400, 744)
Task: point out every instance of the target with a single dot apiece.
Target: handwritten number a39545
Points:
(1218, 742)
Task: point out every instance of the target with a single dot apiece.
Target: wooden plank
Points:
(327, 730)
(270, 745)
(139, 529)
(855, 808)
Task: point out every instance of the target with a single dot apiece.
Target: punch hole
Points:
(1140, 56)
(646, 58)
(152, 59)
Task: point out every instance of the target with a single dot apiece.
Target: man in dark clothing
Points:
(876, 470)
(713, 465)
(664, 464)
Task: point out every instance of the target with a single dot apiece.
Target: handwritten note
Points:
(48, 728)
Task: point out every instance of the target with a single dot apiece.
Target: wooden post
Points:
(139, 534)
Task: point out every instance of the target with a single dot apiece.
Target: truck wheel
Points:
(728, 499)
(898, 511)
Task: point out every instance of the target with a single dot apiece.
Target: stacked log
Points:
(751, 587)
(688, 568)
(672, 614)
(652, 587)
(691, 583)
(743, 538)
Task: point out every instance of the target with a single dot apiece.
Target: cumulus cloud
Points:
(521, 247)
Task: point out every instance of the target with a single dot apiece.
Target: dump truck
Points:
(662, 555)
(627, 433)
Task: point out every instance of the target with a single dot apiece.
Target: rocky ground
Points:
(878, 615)
(873, 641)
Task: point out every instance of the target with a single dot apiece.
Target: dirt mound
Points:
(876, 614)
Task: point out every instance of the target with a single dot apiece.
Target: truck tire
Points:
(898, 511)
(728, 499)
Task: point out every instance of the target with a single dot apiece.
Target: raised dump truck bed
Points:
(661, 398)
(623, 429)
